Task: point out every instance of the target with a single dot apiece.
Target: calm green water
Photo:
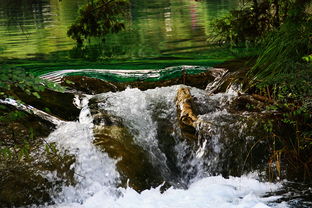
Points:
(156, 28)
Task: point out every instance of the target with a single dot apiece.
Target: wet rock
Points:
(22, 182)
(234, 144)
(95, 86)
(133, 161)
(89, 85)
(21, 186)
(231, 138)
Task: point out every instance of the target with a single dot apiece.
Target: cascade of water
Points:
(94, 170)
(142, 113)
(139, 111)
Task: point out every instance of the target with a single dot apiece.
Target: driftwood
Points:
(186, 115)
(41, 115)
(191, 125)
(184, 102)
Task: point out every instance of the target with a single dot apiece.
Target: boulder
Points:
(91, 85)
(133, 161)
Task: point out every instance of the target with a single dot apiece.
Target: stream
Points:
(129, 147)
(139, 148)
(193, 182)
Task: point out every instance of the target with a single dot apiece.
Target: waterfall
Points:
(150, 120)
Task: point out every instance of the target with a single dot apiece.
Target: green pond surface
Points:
(159, 34)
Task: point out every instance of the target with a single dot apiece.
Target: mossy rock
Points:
(23, 186)
(91, 85)
(133, 161)
(24, 159)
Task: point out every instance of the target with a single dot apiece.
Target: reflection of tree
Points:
(158, 28)
(24, 14)
(97, 19)
(154, 27)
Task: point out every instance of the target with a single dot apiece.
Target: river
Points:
(154, 28)
(128, 147)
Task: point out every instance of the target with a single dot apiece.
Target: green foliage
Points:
(248, 24)
(307, 59)
(237, 27)
(16, 152)
(97, 19)
(285, 51)
(283, 69)
(268, 126)
(282, 72)
(12, 116)
(12, 79)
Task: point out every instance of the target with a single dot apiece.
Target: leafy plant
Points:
(284, 51)
(12, 79)
(282, 73)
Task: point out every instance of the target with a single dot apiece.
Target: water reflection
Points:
(29, 27)
(154, 28)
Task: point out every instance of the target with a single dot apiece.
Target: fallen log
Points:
(186, 114)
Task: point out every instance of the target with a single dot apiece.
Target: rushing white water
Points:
(94, 170)
(208, 192)
(97, 176)
(137, 109)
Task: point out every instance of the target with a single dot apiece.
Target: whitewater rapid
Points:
(98, 178)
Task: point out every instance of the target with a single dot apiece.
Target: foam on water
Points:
(209, 192)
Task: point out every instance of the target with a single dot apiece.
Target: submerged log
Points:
(89, 85)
